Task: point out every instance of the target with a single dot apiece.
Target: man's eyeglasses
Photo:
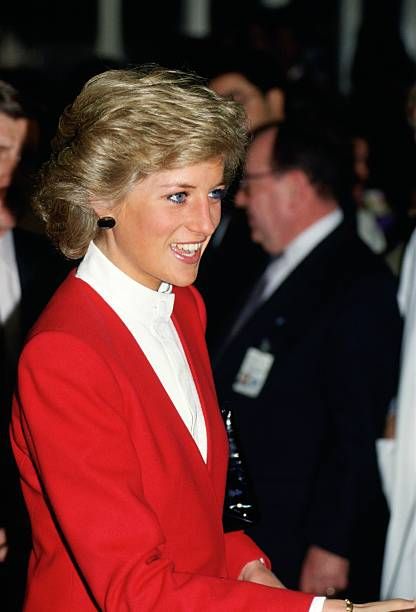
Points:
(254, 176)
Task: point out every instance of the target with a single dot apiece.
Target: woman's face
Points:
(164, 224)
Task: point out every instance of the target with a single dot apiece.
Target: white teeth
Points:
(188, 247)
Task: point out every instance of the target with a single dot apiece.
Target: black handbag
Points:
(240, 510)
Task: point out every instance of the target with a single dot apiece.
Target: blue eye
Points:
(217, 194)
(178, 198)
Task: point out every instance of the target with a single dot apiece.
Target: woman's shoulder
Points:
(74, 308)
(188, 300)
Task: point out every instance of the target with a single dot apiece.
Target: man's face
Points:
(237, 87)
(12, 136)
(266, 197)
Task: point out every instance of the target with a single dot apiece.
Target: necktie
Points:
(256, 297)
(251, 305)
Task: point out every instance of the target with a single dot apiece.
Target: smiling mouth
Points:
(187, 249)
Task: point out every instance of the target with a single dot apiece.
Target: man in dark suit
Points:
(308, 366)
(30, 271)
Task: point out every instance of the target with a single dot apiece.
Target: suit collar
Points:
(303, 289)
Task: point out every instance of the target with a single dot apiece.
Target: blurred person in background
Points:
(397, 454)
(254, 80)
(371, 203)
(30, 270)
(308, 363)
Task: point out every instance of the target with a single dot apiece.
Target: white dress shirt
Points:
(146, 314)
(10, 297)
(317, 604)
(281, 267)
(9, 277)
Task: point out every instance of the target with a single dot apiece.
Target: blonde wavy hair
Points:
(123, 126)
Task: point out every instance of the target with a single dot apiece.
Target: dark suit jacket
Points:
(41, 269)
(334, 329)
(227, 269)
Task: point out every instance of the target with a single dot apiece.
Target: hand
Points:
(323, 572)
(390, 426)
(255, 571)
(3, 545)
(396, 605)
(402, 605)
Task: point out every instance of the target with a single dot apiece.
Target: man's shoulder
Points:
(38, 258)
(342, 275)
(364, 286)
(24, 237)
(351, 260)
(32, 244)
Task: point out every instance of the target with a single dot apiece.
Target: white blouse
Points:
(147, 315)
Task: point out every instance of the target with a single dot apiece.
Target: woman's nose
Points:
(205, 217)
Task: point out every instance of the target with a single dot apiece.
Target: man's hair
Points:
(10, 102)
(257, 67)
(122, 127)
(318, 149)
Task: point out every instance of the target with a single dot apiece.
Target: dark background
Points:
(48, 49)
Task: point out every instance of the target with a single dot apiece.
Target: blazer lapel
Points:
(191, 335)
(137, 366)
(302, 296)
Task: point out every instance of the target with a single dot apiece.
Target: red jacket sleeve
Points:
(240, 549)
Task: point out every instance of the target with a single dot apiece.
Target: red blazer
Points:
(126, 516)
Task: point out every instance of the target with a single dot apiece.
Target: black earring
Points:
(106, 222)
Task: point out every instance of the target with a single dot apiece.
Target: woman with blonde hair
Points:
(116, 429)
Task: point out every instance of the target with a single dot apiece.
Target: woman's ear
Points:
(105, 214)
(100, 207)
(275, 101)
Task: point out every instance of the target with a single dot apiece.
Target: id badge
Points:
(253, 372)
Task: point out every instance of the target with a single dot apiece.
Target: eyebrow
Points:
(186, 185)
(177, 185)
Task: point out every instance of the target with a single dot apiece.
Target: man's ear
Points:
(276, 102)
(299, 186)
